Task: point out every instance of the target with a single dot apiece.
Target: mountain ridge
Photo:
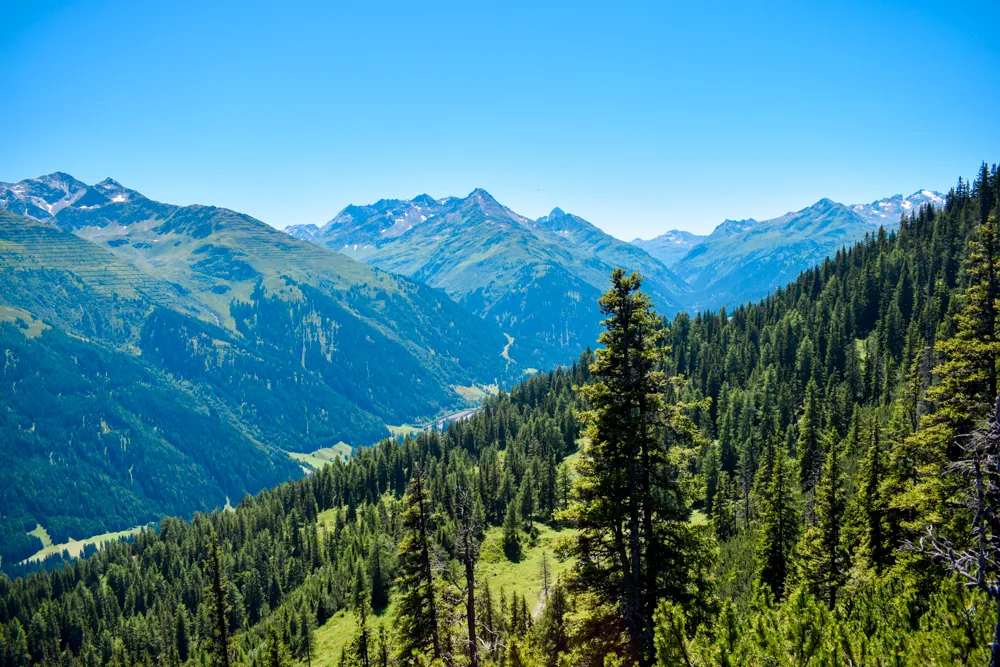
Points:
(271, 344)
(537, 284)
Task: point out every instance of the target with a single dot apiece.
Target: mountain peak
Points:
(732, 227)
(115, 191)
(889, 210)
(482, 195)
(557, 213)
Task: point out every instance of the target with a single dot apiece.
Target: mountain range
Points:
(171, 357)
(744, 260)
(538, 280)
(530, 276)
(176, 356)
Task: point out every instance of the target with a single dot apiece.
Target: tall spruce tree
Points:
(219, 642)
(875, 549)
(469, 529)
(276, 652)
(779, 523)
(822, 554)
(417, 618)
(628, 497)
(810, 449)
(964, 393)
(968, 376)
(724, 509)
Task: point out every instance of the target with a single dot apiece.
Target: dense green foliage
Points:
(817, 430)
(283, 565)
(132, 448)
(861, 375)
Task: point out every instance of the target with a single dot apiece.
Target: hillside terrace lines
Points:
(34, 246)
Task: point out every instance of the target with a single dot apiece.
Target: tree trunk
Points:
(470, 610)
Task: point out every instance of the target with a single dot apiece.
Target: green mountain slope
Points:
(744, 260)
(240, 341)
(667, 289)
(94, 439)
(306, 303)
(539, 285)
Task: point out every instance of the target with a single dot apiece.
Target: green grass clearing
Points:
(404, 430)
(76, 547)
(521, 578)
(322, 457)
(339, 630)
(25, 321)
(525, 576)
(41, 534)
(472, 393)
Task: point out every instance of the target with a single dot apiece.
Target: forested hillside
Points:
(159, 359)
(820, 432)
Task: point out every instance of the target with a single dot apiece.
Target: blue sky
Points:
(638, 117)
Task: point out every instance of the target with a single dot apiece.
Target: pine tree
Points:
(616, 509)
(361, 647)
(17, 645)
(810, 449)
(968, 377)
(724, 514)
(181, 642)
(779, 525)
(276, 655)
(382, 647)
(379, 576)
(823, 559)
(552, 632)
(219, 644)
(966, 388)
(511, 534)
(417, 618)
(875, 549)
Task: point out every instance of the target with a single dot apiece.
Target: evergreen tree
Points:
(553, 637)
(875, 549)
(724, 514)
(779, 524)
(307, 627)
(417, 618)
(823, 558)
(810, 449)
(968, 376)
(361, 647)
(276, 652)
(467, 550)
(511, 534)
(182, 643)
(219, 643)
(628, 496)
(382, 647)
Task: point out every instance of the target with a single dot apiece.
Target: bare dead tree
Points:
(467, 549)
(977, 563)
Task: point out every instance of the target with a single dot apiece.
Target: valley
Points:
(775, 432)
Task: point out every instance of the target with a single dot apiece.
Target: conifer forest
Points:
(812, 479)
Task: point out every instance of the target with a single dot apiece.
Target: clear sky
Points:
(638, 117)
